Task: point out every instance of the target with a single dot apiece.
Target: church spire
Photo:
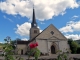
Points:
(33, 24)
(34, 31)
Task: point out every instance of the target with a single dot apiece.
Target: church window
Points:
(52, 32)
(35, 31)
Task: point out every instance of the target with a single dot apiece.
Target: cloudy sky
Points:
(16, 16)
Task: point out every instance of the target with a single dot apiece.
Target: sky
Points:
(16, 17)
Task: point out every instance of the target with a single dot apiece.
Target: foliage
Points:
(78, 41)
(73, 46)
(9, 50)
(37, 53)
(2, 44)
(78, 50)
(13, 43)
(63, 56)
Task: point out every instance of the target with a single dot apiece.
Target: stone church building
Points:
(50, 40)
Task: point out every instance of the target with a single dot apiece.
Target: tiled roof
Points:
(22, 42)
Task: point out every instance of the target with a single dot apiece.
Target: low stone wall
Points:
(74, 55)
(52, 57)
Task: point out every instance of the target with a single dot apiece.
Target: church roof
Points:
(22, 42)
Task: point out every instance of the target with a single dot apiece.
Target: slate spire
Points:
(33, 24)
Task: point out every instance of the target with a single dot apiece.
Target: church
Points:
(50, 40)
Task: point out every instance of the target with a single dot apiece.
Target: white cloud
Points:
(45, 9)
(42, 22)
(41, 30)
(75, 17)
(66, 29)
(24, 39)
(73, 36)
(8, 18)
(71, 27)
(24, 29)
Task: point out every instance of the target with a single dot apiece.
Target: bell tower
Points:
(34, 31)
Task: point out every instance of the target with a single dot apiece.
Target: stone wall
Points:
(21, 47)
(63, 46)
(52, 57)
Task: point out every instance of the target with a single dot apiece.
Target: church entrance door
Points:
(21, 52)
(52, 49)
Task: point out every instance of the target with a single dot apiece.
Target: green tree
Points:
(73, 46)
(78, 50)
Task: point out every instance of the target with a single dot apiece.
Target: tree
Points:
(73, 46)
(78, 50)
